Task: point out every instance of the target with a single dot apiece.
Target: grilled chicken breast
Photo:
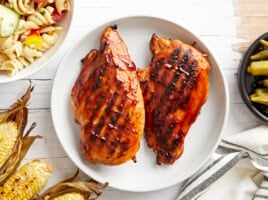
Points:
(174, 86)
(107, 103)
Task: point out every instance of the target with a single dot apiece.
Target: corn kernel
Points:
(8, 137)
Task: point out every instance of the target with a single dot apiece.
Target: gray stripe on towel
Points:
(261, 196)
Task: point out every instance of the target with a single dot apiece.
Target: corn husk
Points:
(18, 113)
(88, 189)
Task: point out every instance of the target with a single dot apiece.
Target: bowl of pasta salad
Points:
(31, 32)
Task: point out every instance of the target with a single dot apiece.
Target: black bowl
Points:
(247, 83)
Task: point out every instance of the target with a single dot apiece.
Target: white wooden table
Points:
(213, 21)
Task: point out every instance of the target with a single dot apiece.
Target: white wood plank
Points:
(40, 98)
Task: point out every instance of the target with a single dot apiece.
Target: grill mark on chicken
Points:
(117, 141)
(111, 104)
(111, 118)
(100, 94)
(156, 75)
(185, 79)
(173, 60)
(107, 112)
(100, 73)
(180, 101)
(95, 132)
(174, 56)
(158, 66)
(172, 104)
(174, 144)
(113, 123)
(188, 83)
(98, 97)
(178, 75)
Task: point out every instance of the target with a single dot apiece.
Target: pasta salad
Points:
(35, 33)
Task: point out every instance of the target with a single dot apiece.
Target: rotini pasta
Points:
(49, 41)
(10, 47)
(62, 5)
(25, 27)
(36, 33)
(11, 67)
(23, 7)
(43, 17)
(14, 65)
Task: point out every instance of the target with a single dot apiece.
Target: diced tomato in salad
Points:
(35, 32)
(58, 16)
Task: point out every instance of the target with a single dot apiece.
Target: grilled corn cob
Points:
(8, 137)
(26, 183)
(70, 196)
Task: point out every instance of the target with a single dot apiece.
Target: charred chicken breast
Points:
(174, 86)
(107, 103)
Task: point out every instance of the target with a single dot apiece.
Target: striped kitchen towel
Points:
(238, 170)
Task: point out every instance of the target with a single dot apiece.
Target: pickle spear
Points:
(260, 95)
(264, 43)
(262, 55)
(258, 68)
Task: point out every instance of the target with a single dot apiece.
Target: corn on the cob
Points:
(70, 196)
(8, 137)
(26, 183)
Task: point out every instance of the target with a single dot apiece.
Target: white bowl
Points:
(145, 175)
(41, 62)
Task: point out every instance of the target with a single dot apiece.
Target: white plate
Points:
(144, 175)
(41, 62)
